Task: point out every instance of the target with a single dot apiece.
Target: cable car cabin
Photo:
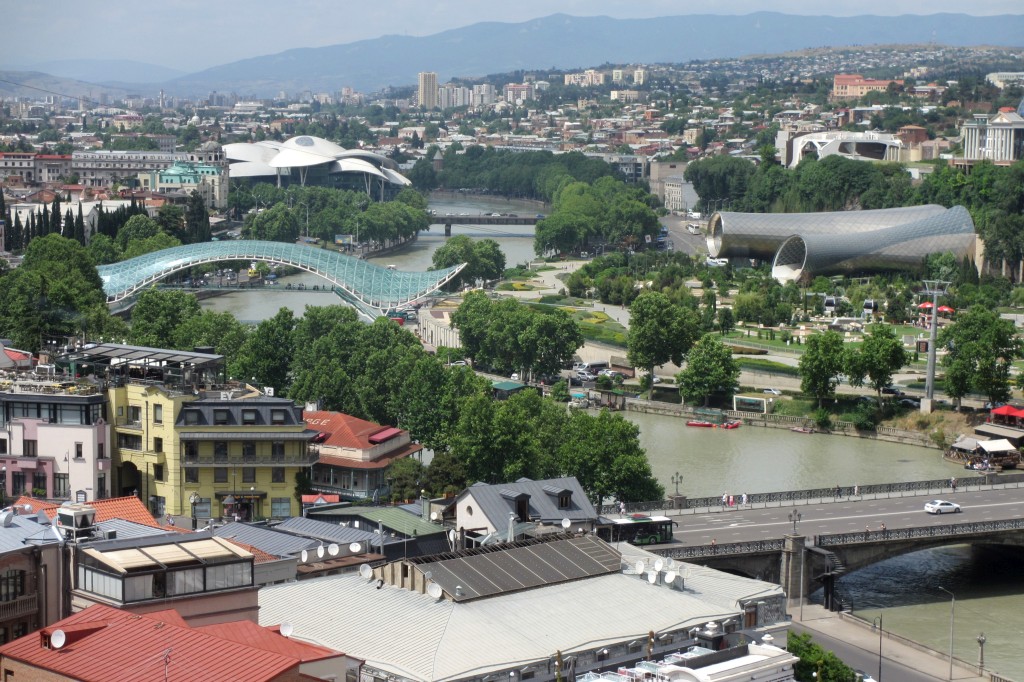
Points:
(830, 303)
(870, 306)
(638, 529)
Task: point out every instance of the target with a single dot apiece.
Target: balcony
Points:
(128, 423)
(18, 608)
(304, 458)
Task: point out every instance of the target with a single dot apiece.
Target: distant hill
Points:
(37, 85)
(565, 42)
(108, 71)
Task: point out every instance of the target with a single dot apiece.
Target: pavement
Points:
(857, 644)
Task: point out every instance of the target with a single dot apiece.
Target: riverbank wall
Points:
(780, 421)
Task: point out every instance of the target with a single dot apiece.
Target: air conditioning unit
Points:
(76, 520)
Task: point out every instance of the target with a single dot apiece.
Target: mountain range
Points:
(561, 41)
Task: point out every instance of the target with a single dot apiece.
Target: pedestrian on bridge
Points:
(952, 483)
(838, 491)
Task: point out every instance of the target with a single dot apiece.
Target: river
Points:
(711, 461)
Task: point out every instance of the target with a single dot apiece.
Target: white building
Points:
(996, 138)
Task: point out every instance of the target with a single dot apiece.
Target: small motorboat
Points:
(734, 424)
(701, 424)
(802, 429)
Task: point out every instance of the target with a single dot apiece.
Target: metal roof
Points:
(116, 351)
(271, 541)
(393, 519)
(328, 532)
(370, 288)
(443, 640)
(495, 503)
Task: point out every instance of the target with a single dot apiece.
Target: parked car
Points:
(910, 402)
(892, 390)
(941, 507)
(693, 228)
(515, 376)
(772, 391)
(584, 375)
(863, 676)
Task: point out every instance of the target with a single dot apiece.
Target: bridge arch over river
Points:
(371, 289)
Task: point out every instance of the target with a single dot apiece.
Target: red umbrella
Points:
(946, 309)
(925, 306)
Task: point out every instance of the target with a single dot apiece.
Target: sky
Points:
(190, 35)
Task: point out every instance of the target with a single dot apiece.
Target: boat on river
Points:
(734, 424)
(802, 429)
(700, 423)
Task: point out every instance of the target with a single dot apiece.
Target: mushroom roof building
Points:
(314, 161)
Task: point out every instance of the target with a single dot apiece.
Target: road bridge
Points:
(808, 539)
(450, 219)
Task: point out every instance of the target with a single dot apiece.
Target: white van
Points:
(693, 228)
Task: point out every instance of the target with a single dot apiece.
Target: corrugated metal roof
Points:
(126, 647)
(321, 530)
(130, 529)
(444, 640)
(393, 518)
(269, 639)
(269, 540)
(495, 501)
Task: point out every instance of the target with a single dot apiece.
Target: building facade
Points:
(848, 86)
(182, 176)
(427, 91)
(998, 138)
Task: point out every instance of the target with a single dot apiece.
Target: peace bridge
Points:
(371, 289)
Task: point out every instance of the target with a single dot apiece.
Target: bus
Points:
(639, 529)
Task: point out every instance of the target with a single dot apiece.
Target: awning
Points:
(384, 435)
(1008, 411)
(1000, 445)
(1015, 436)
(966, 443)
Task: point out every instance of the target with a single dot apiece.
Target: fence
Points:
(725, 549)
(947, 530)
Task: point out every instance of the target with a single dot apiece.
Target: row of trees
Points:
(826, 360)
(380, 372)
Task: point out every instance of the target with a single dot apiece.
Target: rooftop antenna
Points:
(365, 571)
(566, 523)
(57, 639)
(355, 547)
(435, 591)
(333, 549)
(287, 629)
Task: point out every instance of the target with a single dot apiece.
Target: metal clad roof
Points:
(491, 500)
(269, 540)
(321, 530)
(393, 518)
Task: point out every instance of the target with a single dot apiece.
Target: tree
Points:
(726, 323)
(821, 364)
(483, 258)
(171, 220)
(208, 328)
(138, 227)
(659, 331)
(197, 219)
(405, 477)
(878, 358)
(265, 356)
(157, 315)
(710, 368)
(982, 349)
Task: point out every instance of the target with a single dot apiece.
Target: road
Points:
(846, 516)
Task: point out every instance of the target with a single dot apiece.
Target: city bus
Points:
(638, 529)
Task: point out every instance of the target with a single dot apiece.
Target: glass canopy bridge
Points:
(370, 289)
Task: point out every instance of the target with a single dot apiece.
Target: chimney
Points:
(424, 506)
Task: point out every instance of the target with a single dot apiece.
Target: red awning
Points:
(946, 309)
(384, 435)
(925, 306)
(1008, 411)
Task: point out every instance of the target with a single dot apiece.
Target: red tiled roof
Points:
(128, 508)
(259, 556)
(17, 356)
(269, 639)
(320, 498)
(342, 430)
(110, 645)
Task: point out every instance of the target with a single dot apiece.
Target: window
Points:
(129, 442)
(101, 450)
(277, 475)
(280, 507)
(12, 585)
(157, 505)
(277, 451)
(248, 474)
(191, 417)
(134, 414)
(101, 486)
(278, 417)
(220, 475)
(158, 472)
(563, 500)
(158, 444)
(60, 486)
(18, 483)
(220, 451)
(191, 451)
(78, 451)
(249, 451)
(158, 414)
(248, 417)
(220, 417)
(31, 448)
(39, 481)
(3, 446)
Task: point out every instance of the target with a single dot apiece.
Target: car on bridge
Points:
(941, 507)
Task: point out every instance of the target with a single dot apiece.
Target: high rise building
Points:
(428, 90)
(639, 77)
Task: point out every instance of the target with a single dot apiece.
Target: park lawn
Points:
(762, 365)
(796, 407)
(596, 326)
(516, 285)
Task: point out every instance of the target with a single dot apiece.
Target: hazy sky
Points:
(196, 34)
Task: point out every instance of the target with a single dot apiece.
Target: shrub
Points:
(822, 418)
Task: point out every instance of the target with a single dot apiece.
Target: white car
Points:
(941, 507)
(515, 376)
(584, 375)
(772, 391)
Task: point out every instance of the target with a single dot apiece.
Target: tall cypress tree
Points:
(80, 226)
(69, 224)
(55, 216)
(13, 237)
(41, 227)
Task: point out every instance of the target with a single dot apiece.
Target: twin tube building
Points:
(804, 245)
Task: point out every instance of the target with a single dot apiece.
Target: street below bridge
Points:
(723, 525)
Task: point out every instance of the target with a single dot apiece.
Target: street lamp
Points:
(981, 651)
(795, 517)
(193, 499)
(877, 623)
(952, 619)
(677, 478)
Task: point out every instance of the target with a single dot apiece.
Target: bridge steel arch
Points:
(371, 289)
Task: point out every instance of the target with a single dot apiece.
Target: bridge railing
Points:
(941, 531)
(681, 504)
(724, 549)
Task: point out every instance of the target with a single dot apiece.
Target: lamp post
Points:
(795, 517)
(952, 619)
(877, 623)
(981, 651)
(193, 500)
(677, 478)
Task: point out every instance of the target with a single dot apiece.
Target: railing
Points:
(305, 457)
(22, 606)
(725, 549)
(128, 423)
(947, 530)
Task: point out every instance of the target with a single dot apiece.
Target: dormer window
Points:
(563, 500)
(191, 417)
(220, 417)
(249, 417)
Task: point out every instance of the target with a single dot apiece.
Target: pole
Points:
(880, 631)
(803, 551)
(952, 620)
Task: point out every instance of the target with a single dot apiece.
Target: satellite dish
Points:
(365, 571)
(355, 547)
(670, 577)
(658, 564)
(640, 567)
(566, 523)
(304, 556)
(332, 549)
(433, 516)
(671, 563)
(320, 552)
(57, 639)
(451, 535)
(652, 577)
(435, 591)
(287, 629)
